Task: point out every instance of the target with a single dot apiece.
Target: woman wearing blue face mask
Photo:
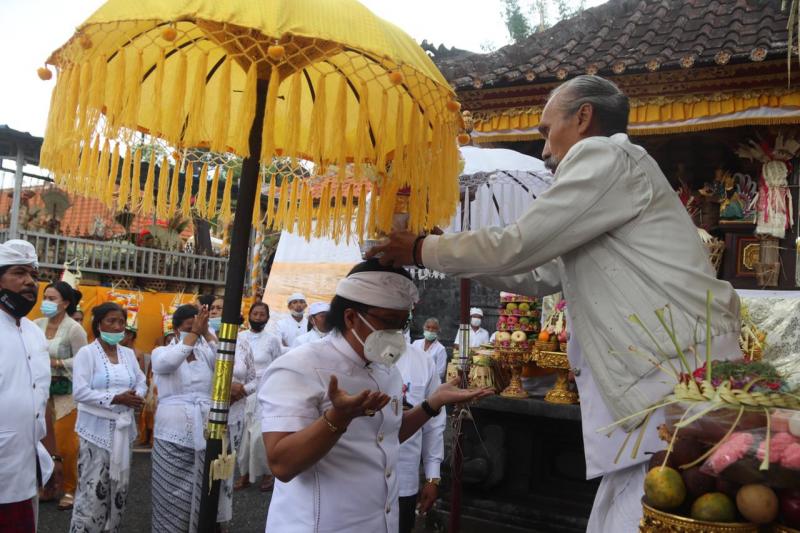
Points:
(108, 386)
(65, 337)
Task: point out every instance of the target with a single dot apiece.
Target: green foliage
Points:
(516, 23)
(521, 26)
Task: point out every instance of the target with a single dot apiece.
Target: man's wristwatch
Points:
(434, 481)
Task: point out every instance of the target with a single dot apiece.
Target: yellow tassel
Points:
(308, 213)
(83, 167)
(111, 180)
(293, 118)
(163, 188)
(257, 202)
(211, 206)
(173, 119)
(268, 131)
(226, 200)
(381, 138)
(338, 130)
(99, 185)
(194, 125)
(283, 203)
(136, 184)
(131, 119)
(291, 217)
(186, 201)
(147, 196)
(97, 91)
(116, 84)
(348, 215)
(372, 222)
(68, 108)
(200, 198)
(398, 162)
(88, 180)
(83, 100)
(172, 205)
(219, 132)
(337, 212)
(362, 149)
(125, 181)
(247, 112)
(362, 211)
(316, 132)
(271, 201)
(324, 214)
(157, 127)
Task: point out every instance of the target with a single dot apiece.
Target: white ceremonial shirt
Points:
(419, 381)
(289, 329)
(184, 391)
(437, 352)
(244, 373)
(266, 347)
(95, 382)
(354, 488)
(24, 389)
(310, 336)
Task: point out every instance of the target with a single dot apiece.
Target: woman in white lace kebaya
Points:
(183, 372)
(108, 386)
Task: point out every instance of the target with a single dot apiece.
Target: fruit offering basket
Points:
(518, 322)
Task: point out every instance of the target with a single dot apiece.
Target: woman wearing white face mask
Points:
(64, 338)
(430, 345)
(332, 412)
(183, 372)
(318, 326)
(108, 386)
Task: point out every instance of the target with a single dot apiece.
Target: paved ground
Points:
(249, 506)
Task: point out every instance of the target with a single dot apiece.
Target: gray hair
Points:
(610, 105)
(432, 320)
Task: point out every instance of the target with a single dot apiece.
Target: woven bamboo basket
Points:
(715, 249)
(654, 521)
(692, 392)
(562, 346)
(121, 282)
(546, 346)
(157, 285)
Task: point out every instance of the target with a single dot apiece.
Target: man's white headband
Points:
(18, 252)
(379, 289)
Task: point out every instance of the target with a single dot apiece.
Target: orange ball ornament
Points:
(276, 51)
(453, 106)
(44, 73)
(463, 138)
(396, 77)
(169, 33)
(544, 336)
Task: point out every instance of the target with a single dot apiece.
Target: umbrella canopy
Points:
(341, 86)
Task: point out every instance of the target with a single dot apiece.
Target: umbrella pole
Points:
(234, 284)
(458, 455)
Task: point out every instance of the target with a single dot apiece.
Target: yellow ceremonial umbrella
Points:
(323, 84)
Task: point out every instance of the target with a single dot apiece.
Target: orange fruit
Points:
(396, 77)
(463, 138)
(715, 507)
(544, 336)
(169, 33)
(276, 51)
(664, 488)
(44, 73)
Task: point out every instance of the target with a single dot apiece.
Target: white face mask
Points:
(297, 314)
(384, 346)
(475, 321)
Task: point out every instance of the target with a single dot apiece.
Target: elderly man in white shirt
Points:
(613, 235)
(26, 436)
(420, 380)
(430, 345)
(332, 412)
(294, 325)
(317, 315)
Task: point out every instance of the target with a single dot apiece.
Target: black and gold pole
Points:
(234, 286)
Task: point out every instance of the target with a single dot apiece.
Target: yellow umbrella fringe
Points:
(268, 128)
(316, 132)
(226, 200)
(147, 195)
(247, 112)
(211, 205)
(173, 119)
(301, 210)
(200, 197)
(271, 202)
(362, 211)
(99, 186)
(125, 181)
(68, 107)
(321, 212)
(219, 131)
(97, 91)
(56, 120)
(94, 159)
(172, 204)
(291, 217)
(84, 82)
(194, 125)
(362, 142)
(348, 216)
(336, 193)
(338, 129)
(257, 200)
(115, 89)
(112, 177)
(163, 188)
(381, 136)
(83, 167)
(293, 118)
(282, 201)
(186, 201)
(134, 92)
(309, 214)
(398, 163)
(372, 221)
(158, 95)
(136, 184)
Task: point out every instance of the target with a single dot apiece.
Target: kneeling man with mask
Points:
(332, 412)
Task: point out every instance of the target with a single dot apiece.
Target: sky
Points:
(34, 28)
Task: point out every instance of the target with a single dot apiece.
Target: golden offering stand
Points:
(560, 392)
(513, 359)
